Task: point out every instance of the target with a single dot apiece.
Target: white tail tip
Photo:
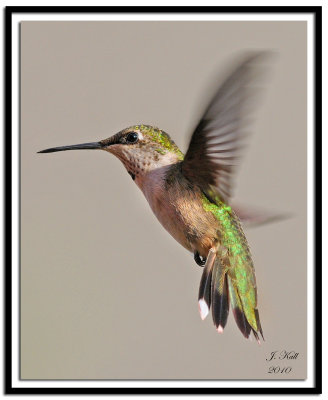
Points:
(203, 309)
(219, 329)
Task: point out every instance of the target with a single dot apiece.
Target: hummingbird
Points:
(190, 194)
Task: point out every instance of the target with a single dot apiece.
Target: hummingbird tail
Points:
(217, 288)
(220, 297)
(240, 315)
(204, 296)
(213, 292)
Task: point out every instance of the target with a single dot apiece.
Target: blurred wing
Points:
(252, 217)
(215, 145)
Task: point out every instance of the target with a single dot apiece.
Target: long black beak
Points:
(82, 146)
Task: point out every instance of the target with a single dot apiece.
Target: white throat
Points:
(152, 182)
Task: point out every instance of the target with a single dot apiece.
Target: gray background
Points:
(106, 293)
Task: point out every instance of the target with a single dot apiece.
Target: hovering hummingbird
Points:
(191, 195)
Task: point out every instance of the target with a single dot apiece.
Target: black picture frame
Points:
(317, 388)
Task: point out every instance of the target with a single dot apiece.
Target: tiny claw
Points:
(199, 260)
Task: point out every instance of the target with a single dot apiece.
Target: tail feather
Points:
(204, 296)
(218, 288)
(237, 310)
(258, 323)
(220, 298)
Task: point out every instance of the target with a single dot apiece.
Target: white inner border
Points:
(16, 19)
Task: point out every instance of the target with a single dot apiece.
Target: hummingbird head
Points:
(141, 148)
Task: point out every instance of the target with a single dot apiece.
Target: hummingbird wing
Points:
(253, 217)
(215, 145)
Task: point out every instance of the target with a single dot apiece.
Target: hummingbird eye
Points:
(132, 137)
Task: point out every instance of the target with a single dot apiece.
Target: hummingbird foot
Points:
(199, 260)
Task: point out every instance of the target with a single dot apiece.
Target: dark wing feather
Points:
(215, 145)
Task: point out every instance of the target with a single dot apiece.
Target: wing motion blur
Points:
(215, 146)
